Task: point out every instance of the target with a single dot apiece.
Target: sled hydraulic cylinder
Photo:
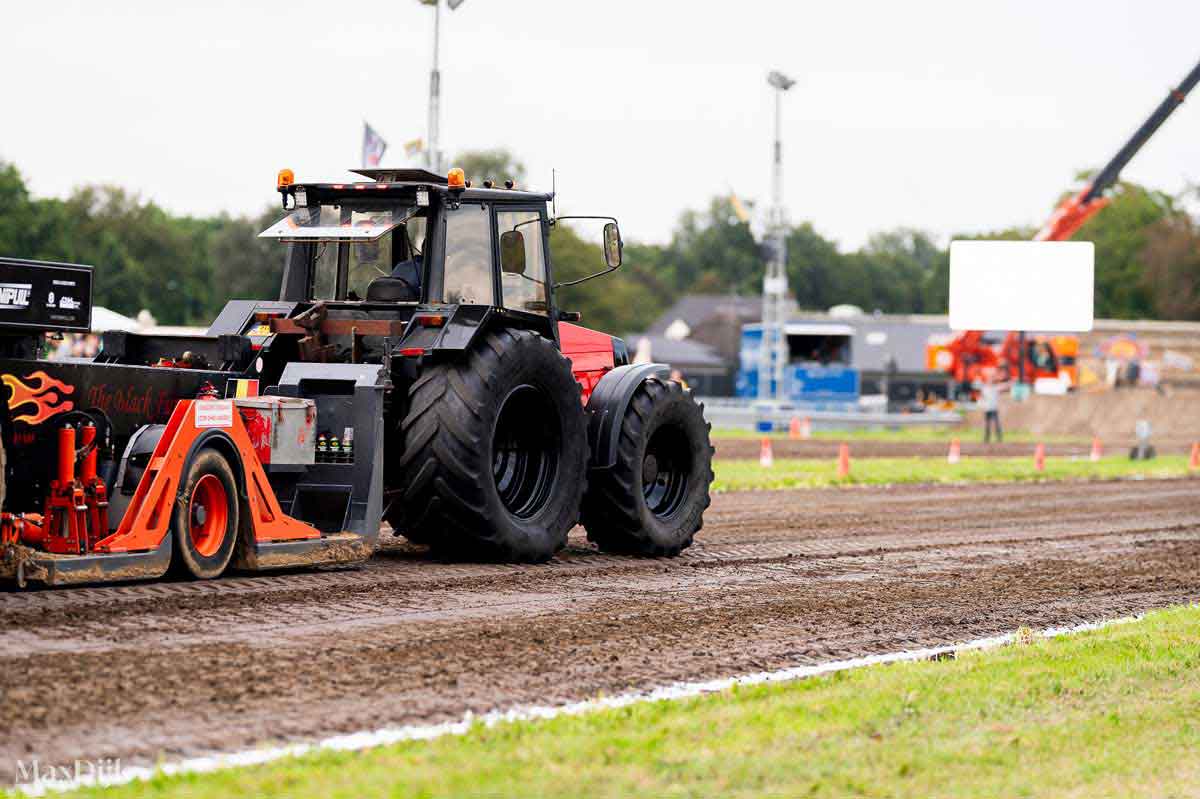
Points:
(66, 455)
(87, 438)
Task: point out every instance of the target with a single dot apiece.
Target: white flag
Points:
(373, 146)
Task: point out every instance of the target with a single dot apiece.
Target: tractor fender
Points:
(607, 405)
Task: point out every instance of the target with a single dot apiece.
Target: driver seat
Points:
(391, 289)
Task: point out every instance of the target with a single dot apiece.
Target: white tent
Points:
(104, 320)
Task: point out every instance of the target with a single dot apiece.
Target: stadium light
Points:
(774, 351)
(433, 158)
(775, 78)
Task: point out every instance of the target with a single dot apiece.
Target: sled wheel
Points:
(205, 521)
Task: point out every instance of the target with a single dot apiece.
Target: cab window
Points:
(467, 275)
(368, 260)
(522, 261)
(324, 272)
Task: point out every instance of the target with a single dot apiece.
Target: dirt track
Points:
(779, 579)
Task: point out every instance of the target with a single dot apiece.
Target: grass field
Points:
(1112, 712)
(787, 473)
(904, 434)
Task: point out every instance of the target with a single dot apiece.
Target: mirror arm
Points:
(609, 270)
(586, 279)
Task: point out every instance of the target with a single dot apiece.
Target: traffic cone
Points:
(1039, 458)
(843, 461)
(766, 458)
(806, 428)
(1194, 461)
(1097, 450)
(955, 453)
(794, 428)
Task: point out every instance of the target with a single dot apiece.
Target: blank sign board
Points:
(1021, 285)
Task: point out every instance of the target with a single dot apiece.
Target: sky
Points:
(944, 116)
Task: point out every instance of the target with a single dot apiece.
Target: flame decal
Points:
(46, 396)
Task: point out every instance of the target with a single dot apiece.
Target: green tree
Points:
(245, 266)
(17, 216)
(816, 270)
(1171, 260)
(901, 265)
(497, 165)
(1119, 232)
(714, 252)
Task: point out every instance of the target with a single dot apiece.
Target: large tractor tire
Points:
(652, 501)
(494, 452)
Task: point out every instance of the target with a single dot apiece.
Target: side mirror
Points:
(612, 245)
(512, 252)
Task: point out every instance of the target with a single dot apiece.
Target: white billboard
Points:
(1022, 285)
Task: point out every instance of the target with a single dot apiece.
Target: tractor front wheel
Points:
(652, 501)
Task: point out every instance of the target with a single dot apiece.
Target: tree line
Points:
(183, 269)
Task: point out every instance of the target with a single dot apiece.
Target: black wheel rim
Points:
(525, 450)
(666, 470)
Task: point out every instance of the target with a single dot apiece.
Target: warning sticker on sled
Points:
(214, 413)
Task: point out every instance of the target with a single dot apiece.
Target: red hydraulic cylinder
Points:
(87, 438)
(94, 491)
(66, 508)
(66, 455)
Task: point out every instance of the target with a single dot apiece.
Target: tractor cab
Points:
(410, 238)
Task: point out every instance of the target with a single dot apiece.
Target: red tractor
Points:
(416, 368)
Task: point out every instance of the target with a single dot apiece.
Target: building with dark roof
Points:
(879, 342)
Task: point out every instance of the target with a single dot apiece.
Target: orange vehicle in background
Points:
(1026, 358)
(966, 355)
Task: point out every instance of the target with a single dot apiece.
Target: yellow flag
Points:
(739, 210)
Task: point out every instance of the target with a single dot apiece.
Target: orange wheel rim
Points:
(208, 513)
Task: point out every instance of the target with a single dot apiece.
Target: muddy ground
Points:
(971, 447)
(778, 579)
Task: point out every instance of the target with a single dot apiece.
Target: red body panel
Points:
(590, 353)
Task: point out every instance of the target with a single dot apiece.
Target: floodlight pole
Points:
(774, 353)
(432, 156)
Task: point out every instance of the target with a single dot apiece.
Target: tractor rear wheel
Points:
(494, 452)
(205, 519)
(652, 501)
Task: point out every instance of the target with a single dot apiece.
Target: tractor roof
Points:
(402, 176)
(387, 180)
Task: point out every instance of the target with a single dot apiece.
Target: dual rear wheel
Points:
(652, 501)
(493, 461)
(495, 452)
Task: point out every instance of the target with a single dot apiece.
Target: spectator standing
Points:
(989, 397)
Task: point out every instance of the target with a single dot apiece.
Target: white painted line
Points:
(369, 739)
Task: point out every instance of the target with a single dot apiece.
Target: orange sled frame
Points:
(142, 547)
